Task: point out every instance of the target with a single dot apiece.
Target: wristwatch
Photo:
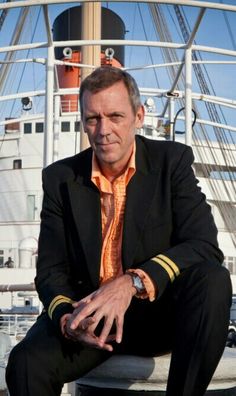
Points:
(137, 282)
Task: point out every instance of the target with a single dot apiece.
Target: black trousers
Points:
(190, 319)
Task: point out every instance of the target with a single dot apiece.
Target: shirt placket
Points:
(112, 239)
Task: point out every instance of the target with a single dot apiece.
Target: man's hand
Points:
(81, 334)
(108, 303)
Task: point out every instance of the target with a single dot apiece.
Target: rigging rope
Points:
(24, 67)
(149, 49)
(225, 209)
(229, 28)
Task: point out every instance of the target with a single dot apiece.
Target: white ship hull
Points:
(30, 140)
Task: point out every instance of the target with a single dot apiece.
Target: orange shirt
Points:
(113, 198)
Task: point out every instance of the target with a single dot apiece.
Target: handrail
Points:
(192, 3)
(20, 287)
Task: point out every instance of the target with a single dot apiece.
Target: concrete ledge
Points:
(90, 391)
(68, 389)
(137, 375)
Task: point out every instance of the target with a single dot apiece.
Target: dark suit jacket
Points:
(168, 225)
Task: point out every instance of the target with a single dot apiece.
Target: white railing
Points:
(16, 324)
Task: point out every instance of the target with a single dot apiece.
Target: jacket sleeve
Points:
(53, 278)
(194, 235)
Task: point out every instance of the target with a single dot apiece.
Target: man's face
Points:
(110, 123)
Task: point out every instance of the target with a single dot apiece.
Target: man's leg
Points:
(42, 362)
(202, 299)
(190, 320)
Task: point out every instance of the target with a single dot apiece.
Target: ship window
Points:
(148, 130)
(77, 126)
(27, 127)
(17, 164)
(1, 258)
(65, 126)
(39, 127)
(230, 263)
(31, 207)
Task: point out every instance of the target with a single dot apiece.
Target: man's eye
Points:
(116, 118)
(91, 121)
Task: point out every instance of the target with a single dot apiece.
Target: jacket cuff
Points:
(59, 306)
(162, 270)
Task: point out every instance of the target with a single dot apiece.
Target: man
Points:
(9, 263)
(128, 256)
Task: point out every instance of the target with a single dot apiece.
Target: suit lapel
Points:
(86, 209)
(140, 194)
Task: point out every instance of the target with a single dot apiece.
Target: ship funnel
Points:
(68, 26)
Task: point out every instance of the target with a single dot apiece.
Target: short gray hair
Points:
(106, 76)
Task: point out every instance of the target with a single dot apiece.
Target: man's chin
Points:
(106, 159)
(106, 154)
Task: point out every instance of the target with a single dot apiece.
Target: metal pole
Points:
(171, 117)
(48, 134)
(188, 96)
(18, 287)
(10, 56)
(91, 30)
(192, 3)
(56, 127)
(189, 44)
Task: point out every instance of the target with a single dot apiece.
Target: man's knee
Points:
(207, 281)
(25, 356)
(31, 370)
(218, 283)
(16, 362)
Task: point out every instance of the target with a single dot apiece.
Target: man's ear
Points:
(140, 117)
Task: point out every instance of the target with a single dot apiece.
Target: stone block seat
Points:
(126, 375)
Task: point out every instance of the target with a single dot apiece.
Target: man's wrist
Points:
(137, 283)
(129, 277)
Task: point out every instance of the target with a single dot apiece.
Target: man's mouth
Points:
(104, 144)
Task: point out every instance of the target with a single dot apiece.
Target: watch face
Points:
(138, 284)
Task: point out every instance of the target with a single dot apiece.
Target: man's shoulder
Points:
(161, 148)
(70, 166)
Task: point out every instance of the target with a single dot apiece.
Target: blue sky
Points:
(213, 30)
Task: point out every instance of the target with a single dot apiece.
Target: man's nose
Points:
(104, 127)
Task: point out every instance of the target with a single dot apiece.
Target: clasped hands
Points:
(106, 306)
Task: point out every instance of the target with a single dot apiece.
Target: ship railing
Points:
(16, 325)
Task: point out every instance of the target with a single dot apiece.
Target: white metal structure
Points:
(44, 133)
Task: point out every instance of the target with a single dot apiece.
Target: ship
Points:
(183, 55)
